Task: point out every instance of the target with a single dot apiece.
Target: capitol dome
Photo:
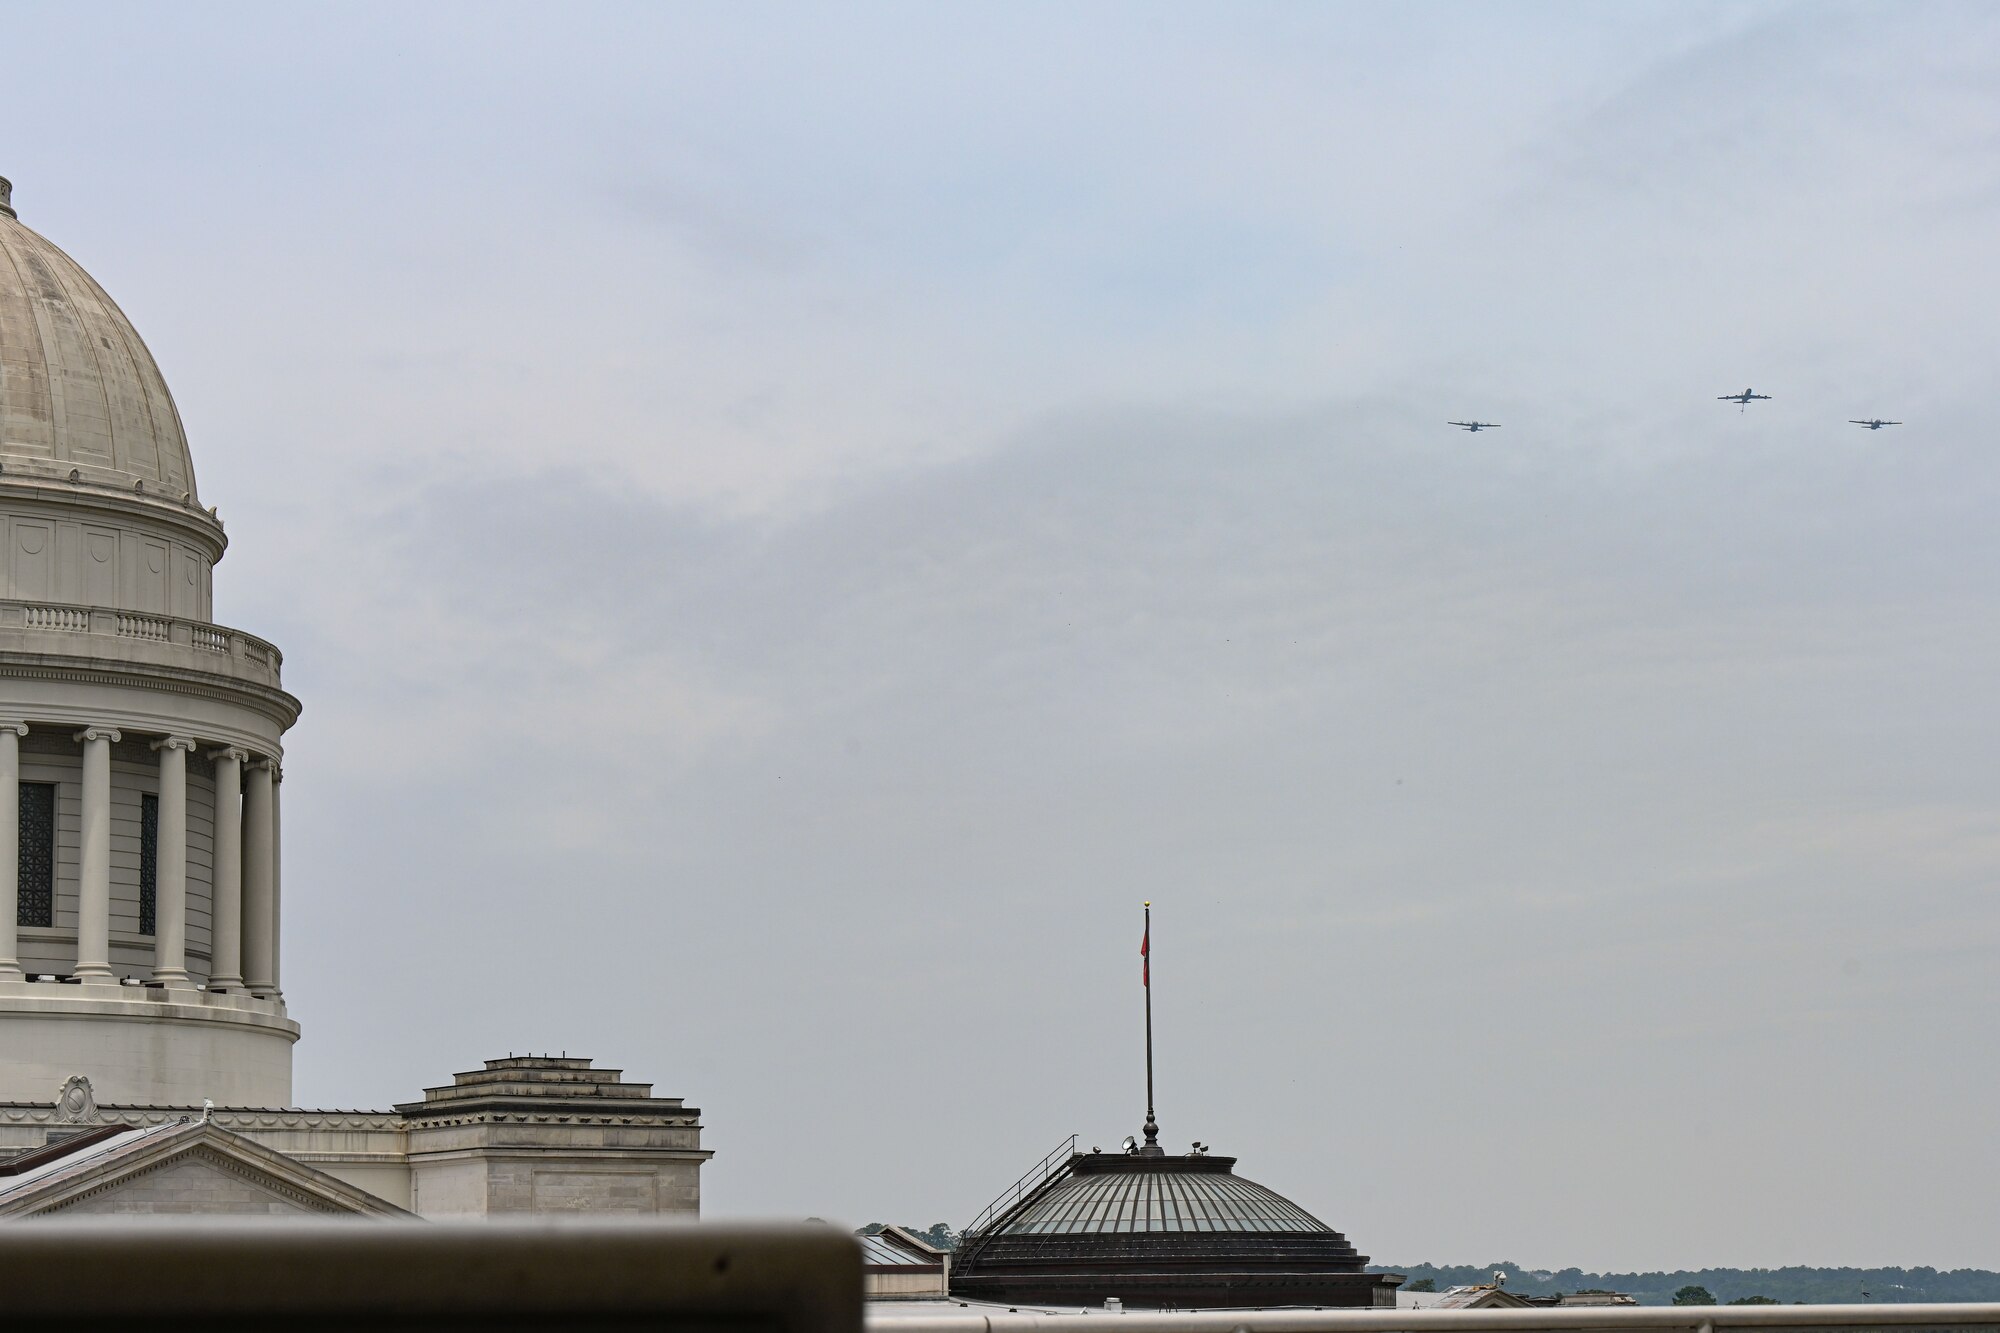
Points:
(78, 389)
(140, 742)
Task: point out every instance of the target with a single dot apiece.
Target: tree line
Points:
(1723, 1286)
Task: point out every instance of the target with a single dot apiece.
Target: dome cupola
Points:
(78, 389)
(140, 742)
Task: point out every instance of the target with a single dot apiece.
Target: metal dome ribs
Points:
(1160, 1231)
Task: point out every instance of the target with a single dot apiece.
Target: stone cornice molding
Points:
(239, 1118)
(197, 525)
(174, 743)
(111, 734)
(275, 704)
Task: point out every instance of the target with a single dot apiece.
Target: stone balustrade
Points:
(133, 636)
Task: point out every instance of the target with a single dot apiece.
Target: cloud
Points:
(782, 523)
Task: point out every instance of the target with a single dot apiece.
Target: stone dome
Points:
(140, 742)
(78, 389)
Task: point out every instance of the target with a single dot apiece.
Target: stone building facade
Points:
(141, 890)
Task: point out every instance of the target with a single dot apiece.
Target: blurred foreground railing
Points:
(279, 1275)
(1596, 1319)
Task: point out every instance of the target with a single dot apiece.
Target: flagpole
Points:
(1152, 1127)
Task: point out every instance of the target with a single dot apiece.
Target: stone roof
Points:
(546, 1084)
(78, 389)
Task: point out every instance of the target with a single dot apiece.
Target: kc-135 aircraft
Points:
(1876, 424)
(1474, 425)
(1744, 399)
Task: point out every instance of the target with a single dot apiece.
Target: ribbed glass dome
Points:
(1167, 1201)
(1160, 1231)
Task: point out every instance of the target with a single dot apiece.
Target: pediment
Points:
(186, 1170)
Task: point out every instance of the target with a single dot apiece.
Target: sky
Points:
(790, 523)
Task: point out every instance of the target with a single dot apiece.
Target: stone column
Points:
(277, 880)
(225, 966)
(170, 872)
(10, 849)
(257, 862)
(93, 909)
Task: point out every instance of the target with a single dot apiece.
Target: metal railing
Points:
(1055, 1162)
(1574, 1319)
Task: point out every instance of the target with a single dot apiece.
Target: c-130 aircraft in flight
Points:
(1742, 401)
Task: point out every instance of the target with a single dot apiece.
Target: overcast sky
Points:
(789, 523)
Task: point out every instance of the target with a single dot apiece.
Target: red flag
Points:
(1145, 960)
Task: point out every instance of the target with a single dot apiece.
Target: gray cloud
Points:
(787, 532)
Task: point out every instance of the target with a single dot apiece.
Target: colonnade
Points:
(243, 922)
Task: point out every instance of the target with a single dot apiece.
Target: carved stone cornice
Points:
(242, 1119)
(20, 487)
(275, 704)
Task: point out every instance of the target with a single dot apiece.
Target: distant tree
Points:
(1794, 1285)
(1754, 1300)
(1422, 1284)
(1693, 1295)
(939, 1234)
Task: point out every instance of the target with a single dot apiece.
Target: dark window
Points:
(149, 860)
(38, 854)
